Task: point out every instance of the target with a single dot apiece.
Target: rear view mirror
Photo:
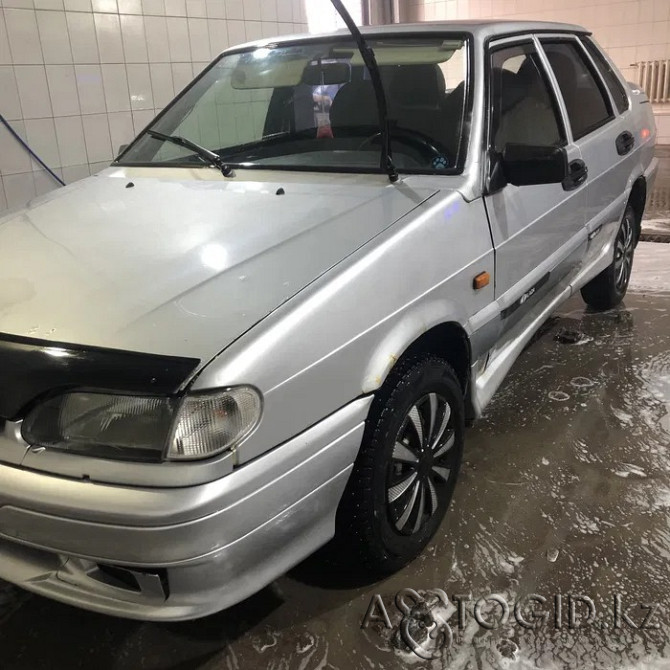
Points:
(526, 165)
(328, 74)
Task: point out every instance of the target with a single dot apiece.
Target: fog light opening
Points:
(150, 582)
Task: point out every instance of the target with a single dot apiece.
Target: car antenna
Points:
(371, 63)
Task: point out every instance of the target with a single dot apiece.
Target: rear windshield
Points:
(312, 106)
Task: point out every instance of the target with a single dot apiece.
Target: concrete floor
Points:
(565, 490)
(656, 226)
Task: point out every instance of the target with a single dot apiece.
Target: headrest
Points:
(563, 68)
(508, 88)
(354, 105)
(419, 85)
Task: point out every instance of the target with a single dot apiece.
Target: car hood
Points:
(180, 266)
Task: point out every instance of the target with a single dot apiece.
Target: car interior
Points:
(425, 118)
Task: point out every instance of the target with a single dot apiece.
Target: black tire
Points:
(608, 289)
(370, 528)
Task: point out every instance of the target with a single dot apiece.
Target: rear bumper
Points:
(188, 552)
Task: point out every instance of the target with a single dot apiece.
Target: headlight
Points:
(144, 428)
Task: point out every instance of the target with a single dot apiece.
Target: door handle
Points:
(577, 174)
(625, 142)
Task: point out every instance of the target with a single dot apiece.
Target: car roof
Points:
(481, 30)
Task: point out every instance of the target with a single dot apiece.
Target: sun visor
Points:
(269, 68)
(387, 53)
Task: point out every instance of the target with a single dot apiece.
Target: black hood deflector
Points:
(31, 369)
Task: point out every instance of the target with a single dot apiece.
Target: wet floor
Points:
(658, 207)
(565, 491)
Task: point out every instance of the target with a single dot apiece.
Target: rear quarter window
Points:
(613, 82)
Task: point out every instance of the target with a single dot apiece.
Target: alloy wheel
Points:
(623, 254)
(421, 464)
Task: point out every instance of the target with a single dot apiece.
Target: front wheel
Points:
(406, 470)
(608, 289)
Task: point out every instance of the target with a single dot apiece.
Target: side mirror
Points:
(122, 148)
(525, 165)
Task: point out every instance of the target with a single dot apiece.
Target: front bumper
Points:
(180, 553)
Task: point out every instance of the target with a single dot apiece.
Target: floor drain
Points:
(568, 336)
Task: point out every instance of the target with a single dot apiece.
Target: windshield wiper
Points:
(208, 156)
(371, 63)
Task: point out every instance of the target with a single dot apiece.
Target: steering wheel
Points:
(416, 139)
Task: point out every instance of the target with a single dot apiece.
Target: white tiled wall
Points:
(630, 30)
(78, 78)
(323, 17)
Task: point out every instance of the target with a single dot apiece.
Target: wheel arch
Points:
(447, 339)
(638, 199)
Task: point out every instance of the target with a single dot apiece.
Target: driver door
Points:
(538, 231)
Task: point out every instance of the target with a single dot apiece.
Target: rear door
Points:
(538, 231)
(603, 134)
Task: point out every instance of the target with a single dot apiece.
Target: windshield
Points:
(312, 106)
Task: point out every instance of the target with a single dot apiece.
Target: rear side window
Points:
(609, 75)
(586, 102)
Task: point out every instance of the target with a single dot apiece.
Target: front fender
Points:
(338, 338)
(404, 332)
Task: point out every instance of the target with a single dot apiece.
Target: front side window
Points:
(586, 103)
(312, 105)
(523, 107)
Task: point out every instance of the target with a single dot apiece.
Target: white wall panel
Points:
(630, 30)
(78, 78)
